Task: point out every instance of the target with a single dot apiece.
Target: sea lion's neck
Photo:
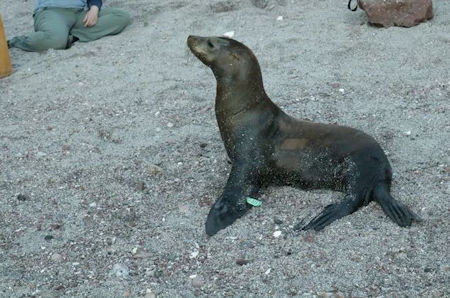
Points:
(234, 97)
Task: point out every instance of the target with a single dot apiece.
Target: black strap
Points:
(350, 5)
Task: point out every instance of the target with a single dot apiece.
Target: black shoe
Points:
(70, 41)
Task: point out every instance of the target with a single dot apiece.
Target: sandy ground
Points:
(110, 157)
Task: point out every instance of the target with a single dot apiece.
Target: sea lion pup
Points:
(266, 146)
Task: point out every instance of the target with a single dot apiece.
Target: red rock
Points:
(402, 13)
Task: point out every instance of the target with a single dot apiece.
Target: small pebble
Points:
(140, 186)
(153, 169)
(55, 226)
(120, 270)
(277, 234)
(197, 282)
(277, 221)
(48, 237)
(242, 262)
(56, 257)
(22, 197)
(279, 18)
(41, 154)
(149, 294)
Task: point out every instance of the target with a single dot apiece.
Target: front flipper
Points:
(223, 213)
(232, 204)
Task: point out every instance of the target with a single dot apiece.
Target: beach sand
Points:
(110, 156)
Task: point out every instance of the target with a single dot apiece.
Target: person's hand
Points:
(91, 17)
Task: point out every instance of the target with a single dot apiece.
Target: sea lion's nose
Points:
(192, 38)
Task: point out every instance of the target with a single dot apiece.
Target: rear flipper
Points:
(331, 213)
(395, 210)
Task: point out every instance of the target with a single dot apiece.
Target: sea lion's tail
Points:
(397, 211)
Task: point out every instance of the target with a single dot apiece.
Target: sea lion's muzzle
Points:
(207, 49)
(197, 46)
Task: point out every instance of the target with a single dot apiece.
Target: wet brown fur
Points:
(267, 146)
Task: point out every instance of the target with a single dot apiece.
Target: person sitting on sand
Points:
(59, 23)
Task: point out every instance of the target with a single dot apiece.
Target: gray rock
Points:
(223, 6)
(260, 3)
(120, 270)
(197, 282)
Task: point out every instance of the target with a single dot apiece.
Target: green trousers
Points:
(53, 26)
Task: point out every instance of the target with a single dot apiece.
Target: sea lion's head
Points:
(226, 57)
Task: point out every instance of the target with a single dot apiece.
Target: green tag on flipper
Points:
(253, 202)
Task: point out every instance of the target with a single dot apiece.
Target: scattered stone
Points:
(279, 18)
(331, 295)
(48, 237)
(149, 294)
(153, 169)
(194, 254)
(120, 270)
(197, 282)
(203, 145)
(223, 6)
(260, 3)
(110, 241)
(55, 226)
(402, 13)
(140, 186)
(40, 154)
(268, 271)
(140, 254)
(22, 197)
(56, 257)
(59, 288)
(277, 221)
(242, 262)
(277, 234)
(157, 273)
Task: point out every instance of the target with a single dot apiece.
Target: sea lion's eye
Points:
(210, 44)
